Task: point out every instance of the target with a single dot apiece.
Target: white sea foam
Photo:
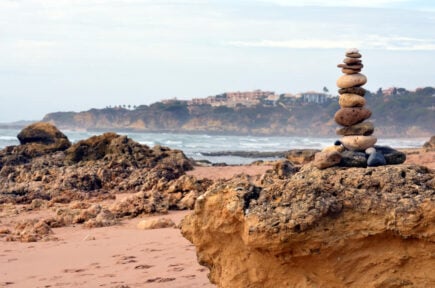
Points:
(193, 144)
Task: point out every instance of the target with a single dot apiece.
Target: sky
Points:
(74, 55)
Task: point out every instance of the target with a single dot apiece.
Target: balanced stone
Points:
(353, 90)
(376, 159)
(349, 60)
(350, 71)
(351, 116)
(354, 80)
(358, 142)
(364, 128)
(353, 67)
(351, 100)
(352, 50)
(353, 55)
(324, 160)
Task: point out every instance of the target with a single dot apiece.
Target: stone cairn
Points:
(356, 148)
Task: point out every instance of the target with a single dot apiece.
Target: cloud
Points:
(396, 43)
(340, 3)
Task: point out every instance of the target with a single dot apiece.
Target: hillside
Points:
(402, 113)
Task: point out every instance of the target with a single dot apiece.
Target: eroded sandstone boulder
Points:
(338, 227)
(37, 139)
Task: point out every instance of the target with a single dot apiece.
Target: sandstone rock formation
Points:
(71, 180)
(430, 145)
(36, 140)
(338, 227)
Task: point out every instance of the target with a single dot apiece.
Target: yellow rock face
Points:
(358, 142)
(351, 100)
(352, 80)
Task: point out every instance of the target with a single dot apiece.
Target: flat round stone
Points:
(349, 60)
(358, 142)
(365, 128)
(353, 55)
(352, 50)
(353, 90)
(354, 80)
(351, 116)
(353, 67)
(350, 71)
(351, 100)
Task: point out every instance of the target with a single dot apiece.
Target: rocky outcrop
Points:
(430, 145)
(71, 182)
(36, 140)
(338, 227)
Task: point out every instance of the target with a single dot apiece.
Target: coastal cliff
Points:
(403, 115)
(338, 227)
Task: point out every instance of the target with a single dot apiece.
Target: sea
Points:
(194, 145)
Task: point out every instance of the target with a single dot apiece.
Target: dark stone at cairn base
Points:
(376, 159)
(391, 155)
(353, 159)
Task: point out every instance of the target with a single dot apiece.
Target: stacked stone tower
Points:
(356, 132)
(356, 148)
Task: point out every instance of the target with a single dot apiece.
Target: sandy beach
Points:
(120, 255)
(114, 256)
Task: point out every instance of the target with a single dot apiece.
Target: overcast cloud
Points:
(73, 55)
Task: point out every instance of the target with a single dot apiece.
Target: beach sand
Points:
(115, 256)
(121, 255)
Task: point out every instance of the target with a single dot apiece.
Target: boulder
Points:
(337, 227)
(353, 80)
(43, 133)
(364, 128)
(351, 116)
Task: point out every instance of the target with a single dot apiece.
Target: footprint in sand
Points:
(159, 280)
(126, 259)
(143, 266)
(189, 276)
(73, 270)
(175, 268)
